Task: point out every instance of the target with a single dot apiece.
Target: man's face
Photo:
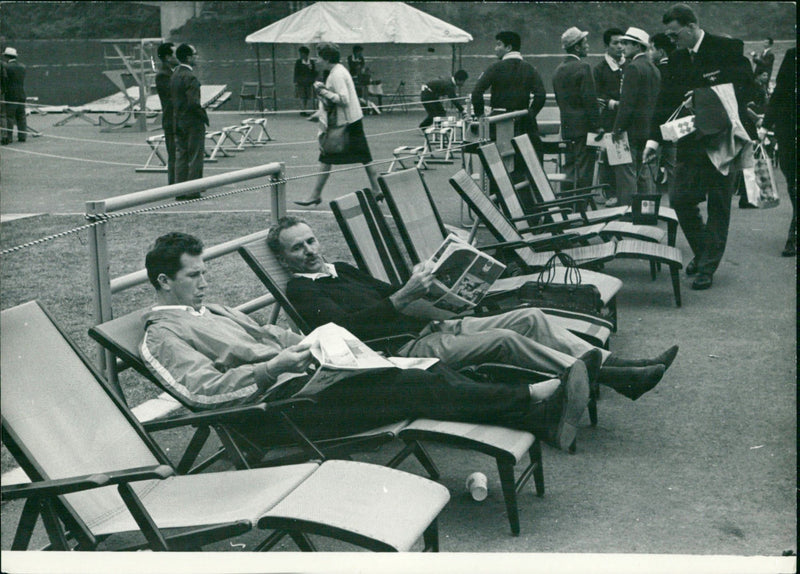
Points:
(766, 44)
(582, 47)
(614, 48)
(500, 49)
(301, 252)
(630, 49)
(189, 285)
(171, 59)
(685, 37)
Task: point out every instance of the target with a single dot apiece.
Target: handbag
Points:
(675, 128)
(334, 140)
(572, 295)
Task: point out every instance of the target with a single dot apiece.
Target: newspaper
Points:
(462, 275)
(617, 152)
(340, 354)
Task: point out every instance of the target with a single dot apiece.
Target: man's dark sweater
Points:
(354, 300)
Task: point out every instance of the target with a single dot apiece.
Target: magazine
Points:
(340, 354)
(462, 275)
(618, 152)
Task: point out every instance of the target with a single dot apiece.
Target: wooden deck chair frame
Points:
(155, 152)
(72, 459)
(506, 446)
(544, 193)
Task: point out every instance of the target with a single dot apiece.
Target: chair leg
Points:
(193, 450)
(270, 541)
(414, 447)
(593, 410)
(303, 542)
(676, 283)
(27, 521)
(535, 453)
(652, 270)
(507, 483)
(431, 537)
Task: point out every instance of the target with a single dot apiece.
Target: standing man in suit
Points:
(14, 95)
(608, 83)
(166, 53)
(515, 85)
(573, 83)
(764, 61)
(190, 119)
(640, 84)
(700, 60)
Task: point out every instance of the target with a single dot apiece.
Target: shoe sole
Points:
(576, 391)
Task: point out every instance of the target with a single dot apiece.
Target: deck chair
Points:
(75, 460)
(422, 231)
(508, 447)
(576, 222)
(617, 218)
(503, 230)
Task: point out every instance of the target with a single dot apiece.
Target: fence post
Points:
(278, 195)
(101, 286)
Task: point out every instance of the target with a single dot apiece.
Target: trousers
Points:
(15, 115)
(190, 140)
(697, 180)
(633, 178)
(581, 159)
(524, 338)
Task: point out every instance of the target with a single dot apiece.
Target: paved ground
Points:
(703, 465)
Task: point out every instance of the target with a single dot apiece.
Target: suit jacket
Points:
(573, 84)
(641, 81)
(512, 82)
(607, 83)
(304, 74)
(718, 61)
(764, 62)
(14, 81)
(781, 113)
(185, 90)
(163, 81)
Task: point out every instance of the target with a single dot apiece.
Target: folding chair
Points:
(73, 459)
(259, 125)
(543, 192)
(408, 152)
(503, 230)
(508, 447)
(155, 152)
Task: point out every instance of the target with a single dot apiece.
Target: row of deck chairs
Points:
(251, 132)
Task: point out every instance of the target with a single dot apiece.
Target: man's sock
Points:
(543, 390)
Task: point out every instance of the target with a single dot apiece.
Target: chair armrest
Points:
(58, 487)
(582, 189)
(221, 415)
(533, 244)
(539, 215)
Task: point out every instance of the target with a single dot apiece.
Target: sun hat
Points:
(572, 36)
(637, 35)
(10, 52)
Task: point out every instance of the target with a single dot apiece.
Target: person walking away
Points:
(640, 85)
(608, 82)
(515, 85)
(781, 117)
(339, 100)
(305, 72)
(434, 91)
(573, 84)
(14, 94)
(701, 60)
(166, 54)
(190, 119)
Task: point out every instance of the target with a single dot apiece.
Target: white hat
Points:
(637, 35)
(571, 37)
(10, 52)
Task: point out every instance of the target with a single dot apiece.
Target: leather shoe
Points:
(666, 358)
(790, 250)
(702, 282)
(631, 382)
(691, 269)
(557, 417)
(309, 202)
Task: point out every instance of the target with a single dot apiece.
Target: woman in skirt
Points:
(339, 105)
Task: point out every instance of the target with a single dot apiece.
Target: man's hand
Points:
(612, 104)
(602, 103)
(616, 136)
(417, 286)
(650, 151)
(294, 359)
(687, 100)
(600, 133)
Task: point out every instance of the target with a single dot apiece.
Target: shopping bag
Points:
(676, 128)
(765, 178)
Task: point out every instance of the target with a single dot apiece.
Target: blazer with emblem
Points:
(641, 81)
(718, 61)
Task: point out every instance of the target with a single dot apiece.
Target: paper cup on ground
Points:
(477, 486)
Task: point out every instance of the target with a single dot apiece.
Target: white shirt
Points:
(514, 55)
(699, 41)
(330, 272)
(613, 64)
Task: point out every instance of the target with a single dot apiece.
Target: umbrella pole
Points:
(258, 90)
(453, 62)
(274, 93)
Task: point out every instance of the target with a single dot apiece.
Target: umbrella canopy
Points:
(359, 23)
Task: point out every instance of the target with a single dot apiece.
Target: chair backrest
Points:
(491, 216)
(534, 171)
(123, 336)
(498, 174)
(60, 419)
(418, 221)
(367, 243)
(274, 276)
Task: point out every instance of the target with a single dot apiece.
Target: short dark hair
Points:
(329, 52)
(274, 235)
(460, 76)
(165, 49)
(304, 50)
(509, 39)
(680, 13)
(165, 255)
(769, 40)
(663, 42)
(358, 48)
(611, 32)
(184, 51)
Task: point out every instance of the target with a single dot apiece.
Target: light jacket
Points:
(211, 358)
(340, 91)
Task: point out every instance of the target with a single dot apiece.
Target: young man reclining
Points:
(213, 356)
(339, 293)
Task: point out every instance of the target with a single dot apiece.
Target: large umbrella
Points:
(357, 23)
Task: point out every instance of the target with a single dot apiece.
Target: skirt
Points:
(357, 149)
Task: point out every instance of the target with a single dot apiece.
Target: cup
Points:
(477, 485)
